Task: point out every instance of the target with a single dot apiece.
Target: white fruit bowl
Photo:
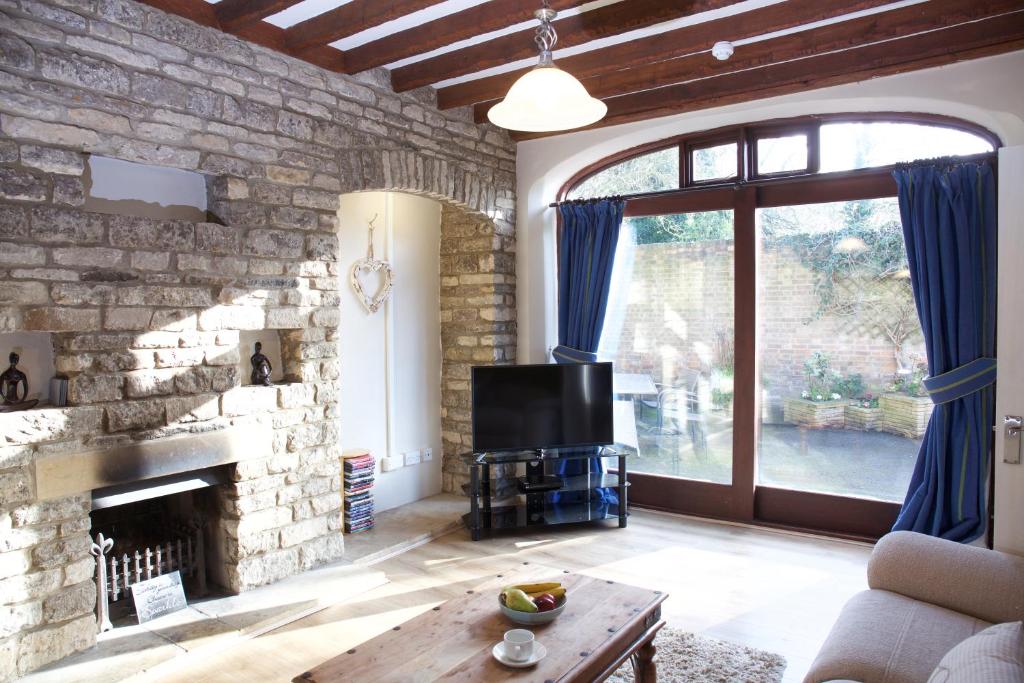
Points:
(531, 618)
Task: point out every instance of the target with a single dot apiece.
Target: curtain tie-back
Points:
(567, 353)
(961, 381)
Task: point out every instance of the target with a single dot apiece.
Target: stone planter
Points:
(864, 419)
(905, 415)
(814, 414)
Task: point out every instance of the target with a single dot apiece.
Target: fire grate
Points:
(116, 575)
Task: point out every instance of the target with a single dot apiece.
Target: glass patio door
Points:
(841, 358)
(670, 330)
(725, 325)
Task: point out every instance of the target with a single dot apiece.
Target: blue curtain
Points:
(586, 254)
(949, 224)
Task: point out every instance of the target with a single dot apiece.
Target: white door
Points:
(1009, 478)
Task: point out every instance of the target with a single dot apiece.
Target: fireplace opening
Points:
(167, 526)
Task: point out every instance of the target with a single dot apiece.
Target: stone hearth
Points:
(145, 315)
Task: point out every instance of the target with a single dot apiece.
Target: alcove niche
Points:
(35, 350)
(390, 395)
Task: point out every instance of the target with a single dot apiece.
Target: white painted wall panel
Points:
(391, 360)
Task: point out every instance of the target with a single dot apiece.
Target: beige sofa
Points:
(926, 596)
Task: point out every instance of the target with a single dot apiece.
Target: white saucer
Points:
(539, 652)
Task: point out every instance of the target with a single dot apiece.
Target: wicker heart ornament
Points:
(365, 268)
(368, 267)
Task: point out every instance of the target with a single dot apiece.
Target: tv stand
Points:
(502, 498)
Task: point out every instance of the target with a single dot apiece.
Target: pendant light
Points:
(546, 99)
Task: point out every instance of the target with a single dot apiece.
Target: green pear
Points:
(518, 600)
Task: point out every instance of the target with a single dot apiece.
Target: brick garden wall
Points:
(681, 300)
(144, 315)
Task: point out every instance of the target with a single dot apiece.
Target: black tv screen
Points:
(519, 407)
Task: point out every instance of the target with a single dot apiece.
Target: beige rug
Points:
(684, 657)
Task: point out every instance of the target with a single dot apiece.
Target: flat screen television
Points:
(520, 407)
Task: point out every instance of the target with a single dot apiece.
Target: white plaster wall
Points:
(985, 91)
(391, 360)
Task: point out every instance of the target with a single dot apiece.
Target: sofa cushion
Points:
(883, 637)
(996, 655)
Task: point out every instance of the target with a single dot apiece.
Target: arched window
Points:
(780, 149)
(761, 318)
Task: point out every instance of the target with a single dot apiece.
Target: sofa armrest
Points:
(982, 583)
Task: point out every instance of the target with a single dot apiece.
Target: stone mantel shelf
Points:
(66, 474)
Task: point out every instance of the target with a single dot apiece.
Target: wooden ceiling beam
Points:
(432, 35)
(194, 10)
(348, 20)
(996, 35)
(680, 42)
(234, 14)
(603, 22)
(897, 23)
(259, 32)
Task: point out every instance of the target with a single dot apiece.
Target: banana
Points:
(556, 593)
(538, 587)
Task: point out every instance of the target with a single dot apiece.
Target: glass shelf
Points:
(503, 457)
(518, 516)
(507, 487)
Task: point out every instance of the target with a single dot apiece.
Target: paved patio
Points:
(843, 461)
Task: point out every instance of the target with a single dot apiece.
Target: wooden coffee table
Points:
(604, 624)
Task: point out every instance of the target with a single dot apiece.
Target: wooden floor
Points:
(776, 591)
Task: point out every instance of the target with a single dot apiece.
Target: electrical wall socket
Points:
(389, 463)
(412, 458)
(427, 454)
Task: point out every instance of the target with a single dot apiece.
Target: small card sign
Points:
(158, 596)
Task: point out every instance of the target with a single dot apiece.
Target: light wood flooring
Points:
(772, 590)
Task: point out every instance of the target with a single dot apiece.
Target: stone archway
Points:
(478, 287)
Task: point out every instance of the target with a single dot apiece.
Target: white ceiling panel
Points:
(307, 9)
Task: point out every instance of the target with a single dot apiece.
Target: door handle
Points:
(1012, 427)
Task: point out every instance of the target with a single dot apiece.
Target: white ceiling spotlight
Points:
(722, 50)
(546, 99)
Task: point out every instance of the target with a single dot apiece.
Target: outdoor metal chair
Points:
(680, 405)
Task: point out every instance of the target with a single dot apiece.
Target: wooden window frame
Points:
(808, 129)
(743, 133)
(743, 500)
(692, 145)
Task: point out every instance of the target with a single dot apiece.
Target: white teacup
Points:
(519, 644)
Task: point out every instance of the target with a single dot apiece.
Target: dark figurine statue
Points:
(14, 388)
(261, 367)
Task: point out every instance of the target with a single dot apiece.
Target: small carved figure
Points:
(261, 367)
(11, 381)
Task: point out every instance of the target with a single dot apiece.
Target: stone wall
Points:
(680, 305)
(478, 311)
(145, 315)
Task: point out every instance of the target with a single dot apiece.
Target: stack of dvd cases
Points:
(358, 468)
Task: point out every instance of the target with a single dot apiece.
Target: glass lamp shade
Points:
(546, 99)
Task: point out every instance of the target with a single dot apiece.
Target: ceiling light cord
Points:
(546, 37)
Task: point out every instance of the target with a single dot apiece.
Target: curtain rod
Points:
(648, 195)
(981, 157)
(948, 161)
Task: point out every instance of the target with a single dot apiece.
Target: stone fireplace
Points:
(173, 525)
(146, 316)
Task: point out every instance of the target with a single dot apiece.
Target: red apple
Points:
(545, 602)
